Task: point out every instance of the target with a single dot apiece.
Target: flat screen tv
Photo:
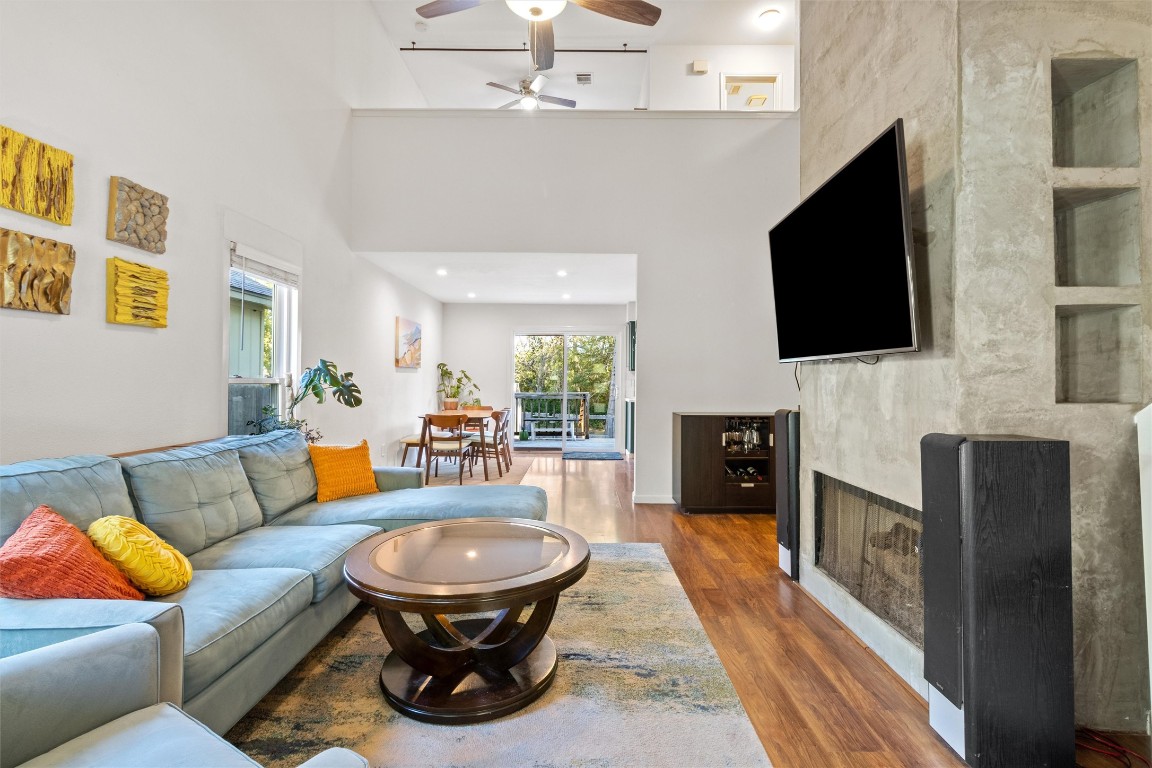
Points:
(842, 261)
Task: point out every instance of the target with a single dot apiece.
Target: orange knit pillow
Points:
(342, 470)
(47, 556)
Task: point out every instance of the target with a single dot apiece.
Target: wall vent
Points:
(583, 78)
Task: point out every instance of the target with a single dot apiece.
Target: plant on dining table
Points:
(455, 388)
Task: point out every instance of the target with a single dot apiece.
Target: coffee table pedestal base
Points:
(472, 695)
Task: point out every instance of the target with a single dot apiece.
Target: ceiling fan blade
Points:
(509, 105)
(556, 100)
(635, 11)
(538, 84)
(543, 44)
(444, 7)
(503, 87)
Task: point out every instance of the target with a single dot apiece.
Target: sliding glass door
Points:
(566, 391)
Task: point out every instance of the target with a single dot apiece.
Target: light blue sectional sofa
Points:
(94, 702)
(267, 559)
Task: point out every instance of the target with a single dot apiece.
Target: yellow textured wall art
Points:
(37, 273)
(35, 178)
(137, 294)
(137, 216)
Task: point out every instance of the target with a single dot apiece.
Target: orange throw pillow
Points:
(342, 470)
(47, 556)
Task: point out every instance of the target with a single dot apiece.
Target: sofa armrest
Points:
(336, 757)
(29, 624)
(396, 478)
(56, 693)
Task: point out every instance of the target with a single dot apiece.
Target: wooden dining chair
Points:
(455, 444)
(488, 446)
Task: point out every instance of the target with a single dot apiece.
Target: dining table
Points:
(477, 420)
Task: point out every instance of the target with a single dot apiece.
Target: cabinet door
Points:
(701, 461)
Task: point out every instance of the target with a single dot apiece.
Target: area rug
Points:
(639, 684)
(594, 455)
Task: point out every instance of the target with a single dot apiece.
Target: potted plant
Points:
(314, 381)
(453, 388)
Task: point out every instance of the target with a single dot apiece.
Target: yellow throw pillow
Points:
(342, 470)
(153, 565)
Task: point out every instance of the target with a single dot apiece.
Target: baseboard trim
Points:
(652, 499)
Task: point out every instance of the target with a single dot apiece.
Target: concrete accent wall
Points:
(972, 81)
(862, 65)
(1008, 310)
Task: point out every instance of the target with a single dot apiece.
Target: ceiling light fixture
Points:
(471, 295)
(566, 296)
(537, 10)
(562, 273)
(442, 272)
(770, 19)
(528, 101)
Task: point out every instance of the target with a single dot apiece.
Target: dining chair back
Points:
(489, 445)
(443, 436)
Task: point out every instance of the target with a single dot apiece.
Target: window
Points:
(263, 335)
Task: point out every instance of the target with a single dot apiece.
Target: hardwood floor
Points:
(815, 694)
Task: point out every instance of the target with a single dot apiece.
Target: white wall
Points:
(238, 111)
(692, 195)
(673, 85)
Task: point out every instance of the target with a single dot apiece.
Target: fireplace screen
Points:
(870, 545)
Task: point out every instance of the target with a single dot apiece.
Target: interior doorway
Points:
(567, 391)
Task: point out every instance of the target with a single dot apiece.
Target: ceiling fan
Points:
(528, 95)
(540, 13)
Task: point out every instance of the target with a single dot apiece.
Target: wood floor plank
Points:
(817, 697)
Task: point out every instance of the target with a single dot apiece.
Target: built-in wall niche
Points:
(1097, 236)
(1098, 353)
(1095, 113)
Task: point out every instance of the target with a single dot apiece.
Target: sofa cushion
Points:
(192, 497)
(153, 565)
(342, 471)
(230, 613)
(160, 734)
(319, 549)
(279, 469)
(396, 509)
(80, 488)
(48, 557)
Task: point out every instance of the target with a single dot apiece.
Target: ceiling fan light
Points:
(529, 102)
(537, 10)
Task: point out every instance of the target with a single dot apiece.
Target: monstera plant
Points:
(317, 381)
(326, 377)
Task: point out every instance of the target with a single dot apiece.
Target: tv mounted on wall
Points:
(843, 272)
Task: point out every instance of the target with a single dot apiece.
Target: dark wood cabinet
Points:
(723, 462)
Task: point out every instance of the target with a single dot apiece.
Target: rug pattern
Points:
(639, 684)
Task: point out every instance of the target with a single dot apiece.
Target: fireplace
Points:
(871, 546)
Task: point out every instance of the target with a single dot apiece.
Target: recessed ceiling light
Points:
(566, 296)
(562, 273)
(442, 272)
(770, 19)
(471, 295)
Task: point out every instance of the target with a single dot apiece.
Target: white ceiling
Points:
(516, 278)
(458, 79)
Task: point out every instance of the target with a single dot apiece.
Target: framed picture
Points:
(407, 343)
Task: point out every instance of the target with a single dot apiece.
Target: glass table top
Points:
(471, 553)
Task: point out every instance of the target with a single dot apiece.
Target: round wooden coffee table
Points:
(463, 667)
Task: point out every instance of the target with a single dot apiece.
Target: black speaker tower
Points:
(786, 428)
(997, 559)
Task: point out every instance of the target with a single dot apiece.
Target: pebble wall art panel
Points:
(137, 216)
